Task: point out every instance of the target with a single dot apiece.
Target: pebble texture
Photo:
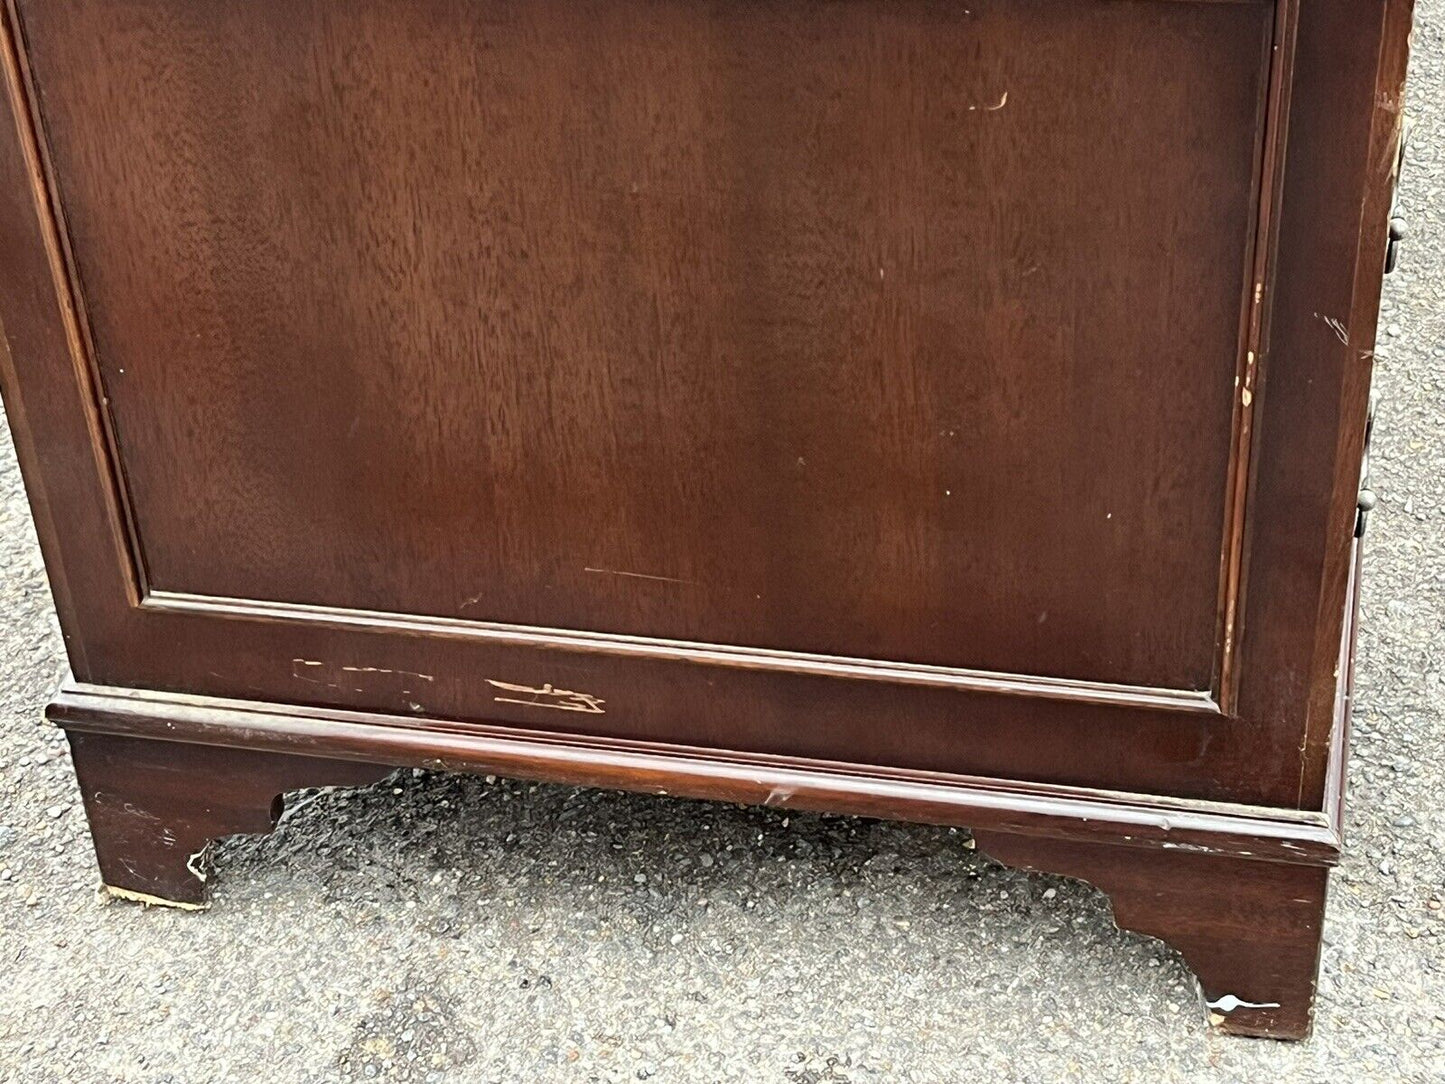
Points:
(444, 928)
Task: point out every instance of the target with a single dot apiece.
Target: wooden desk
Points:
(935, 410)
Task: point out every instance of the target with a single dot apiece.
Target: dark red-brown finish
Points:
(949, 412)
(1249, 930)
(646, 318)
(155, 807)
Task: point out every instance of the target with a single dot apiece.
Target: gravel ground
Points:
(444, 928)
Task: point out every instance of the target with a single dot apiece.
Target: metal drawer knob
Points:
(1392, 250)
(1366, 504)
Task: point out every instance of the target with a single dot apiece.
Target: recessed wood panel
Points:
(892, 330)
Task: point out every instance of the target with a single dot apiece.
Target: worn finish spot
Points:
(373, 680)
(1228, 1003)
(197, 863)
(148, 900)
(547, 696)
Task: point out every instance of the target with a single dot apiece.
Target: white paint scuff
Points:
(1228, 1003)
(196, 863)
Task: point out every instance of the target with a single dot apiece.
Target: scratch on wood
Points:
(635, 575)
(197, 862)
(1228, 1003)
(1341, 332)
(992, 108)
(1193, 848)
(548, 696)
(316, 672)
(384, 670)
(296, 672)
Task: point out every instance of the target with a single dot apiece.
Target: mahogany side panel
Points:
(659, 320)
(1345, 103)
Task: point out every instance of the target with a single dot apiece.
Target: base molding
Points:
(1043, 809)
(1238, 890)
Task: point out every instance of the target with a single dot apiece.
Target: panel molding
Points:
(69, 298)
(1261, 260)
(700, 653)
(1217, 700)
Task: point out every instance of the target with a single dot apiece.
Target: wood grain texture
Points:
(786, 325)
(431, 382)
(1274, 745)
(1349, 74)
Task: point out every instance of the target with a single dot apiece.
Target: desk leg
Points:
(1249, 929)
(156, 807)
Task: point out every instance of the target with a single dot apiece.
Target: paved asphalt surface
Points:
(442, 928)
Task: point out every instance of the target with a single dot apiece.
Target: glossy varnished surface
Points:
(1030, 340)
(1269, 739)
(898, 331)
